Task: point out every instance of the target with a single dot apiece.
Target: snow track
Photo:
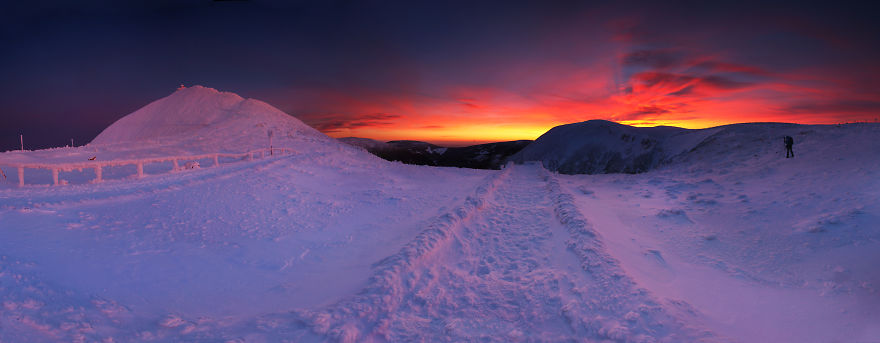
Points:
(515, 262)
(369, 312)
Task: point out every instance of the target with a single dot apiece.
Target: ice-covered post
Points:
(216, 160)
(270, 142)
(55, 176)
(99, 177)
(140, 170)
(21, 176)
(176, 166)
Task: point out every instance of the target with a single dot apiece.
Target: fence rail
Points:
(98, 166)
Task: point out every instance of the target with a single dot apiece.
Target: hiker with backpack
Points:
(788, 143)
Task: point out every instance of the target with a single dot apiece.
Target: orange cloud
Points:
(643, 88)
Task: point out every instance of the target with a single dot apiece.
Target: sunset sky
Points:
(446, 72)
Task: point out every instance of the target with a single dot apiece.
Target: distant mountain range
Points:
(602, 147)
(483, 156)
(198, 119)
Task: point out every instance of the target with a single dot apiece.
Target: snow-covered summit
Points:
(202, 117)
(597, 147)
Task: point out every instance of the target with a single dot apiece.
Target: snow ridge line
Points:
(627, 313)
(367, 312)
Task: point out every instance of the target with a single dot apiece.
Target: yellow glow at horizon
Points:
(464, 133)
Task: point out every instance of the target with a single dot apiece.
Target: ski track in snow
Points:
(515, 262)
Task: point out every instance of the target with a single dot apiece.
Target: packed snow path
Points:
(516, 262)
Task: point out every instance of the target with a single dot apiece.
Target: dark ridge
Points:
(482, 156)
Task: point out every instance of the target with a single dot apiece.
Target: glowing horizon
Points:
(448, 73)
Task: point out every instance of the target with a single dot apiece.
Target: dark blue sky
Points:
(406, 70)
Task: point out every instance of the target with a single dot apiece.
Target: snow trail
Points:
(516, 262)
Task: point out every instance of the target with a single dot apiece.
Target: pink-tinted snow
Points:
(728, 242)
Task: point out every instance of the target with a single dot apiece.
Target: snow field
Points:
(210, 254)
(500, 268)
(763, 248)
(723, 241)
(615, 296)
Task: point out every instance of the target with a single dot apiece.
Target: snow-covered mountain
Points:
(598, 147)
(603, 147)
(191, 121)
(202, 118)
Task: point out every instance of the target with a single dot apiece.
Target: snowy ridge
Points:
(366, 314)
(598, 147)
(602, 147)
(627, 313)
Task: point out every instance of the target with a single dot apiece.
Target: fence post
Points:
(216, 160)
(55, 176)
(140, 169)
(98, 174)
(21, 176)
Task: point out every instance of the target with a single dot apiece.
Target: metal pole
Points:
(21, 137)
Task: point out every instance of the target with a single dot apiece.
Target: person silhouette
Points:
(788, 143)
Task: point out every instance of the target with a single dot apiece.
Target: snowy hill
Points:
(597, 147)
(191, 121)
(202, 118)
(601, 147)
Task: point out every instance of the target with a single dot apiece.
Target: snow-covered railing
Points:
(56, 168)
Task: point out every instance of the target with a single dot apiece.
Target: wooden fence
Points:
(98, 166)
